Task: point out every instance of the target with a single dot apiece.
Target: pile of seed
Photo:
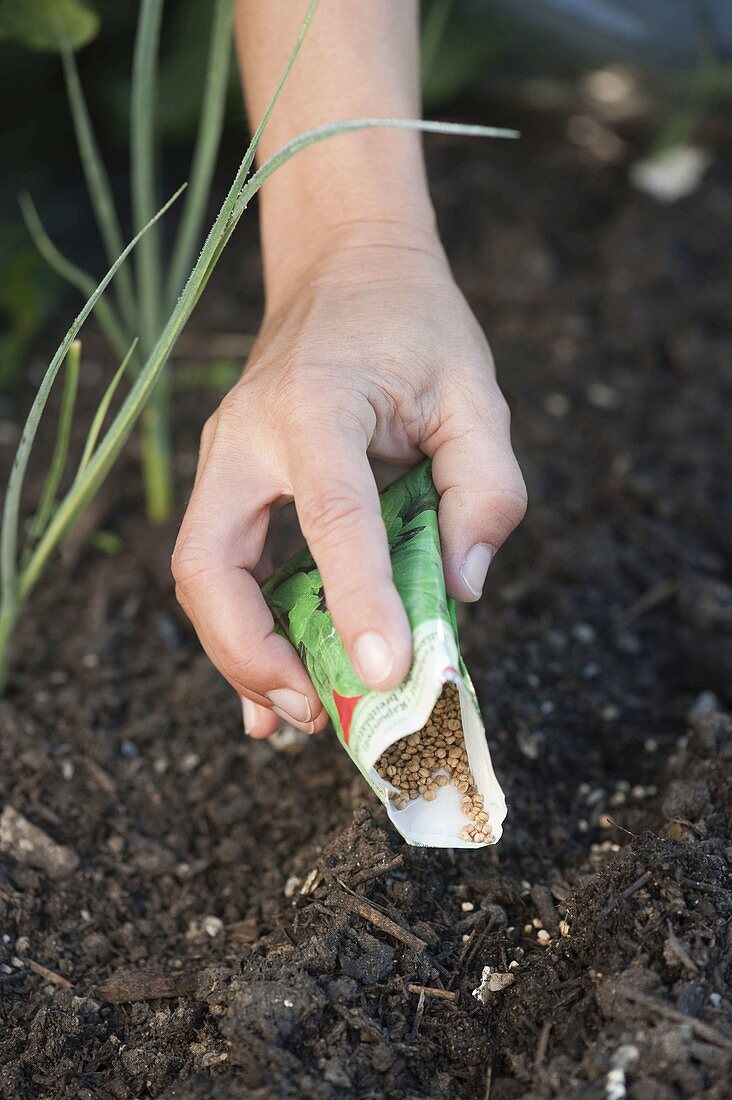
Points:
(418, 765)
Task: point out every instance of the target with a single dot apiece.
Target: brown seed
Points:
(425, 761)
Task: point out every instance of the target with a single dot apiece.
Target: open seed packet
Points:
(421, 746)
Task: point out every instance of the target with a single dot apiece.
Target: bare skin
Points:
(367, 348)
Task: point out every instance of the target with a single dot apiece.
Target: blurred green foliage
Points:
(26, 290)
(458, 45)
(40, 24)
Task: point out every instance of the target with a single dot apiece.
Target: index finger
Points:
(338, 507)
(220, 541)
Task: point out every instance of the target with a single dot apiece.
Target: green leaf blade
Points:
(61, 446)
(102, 409)
(142, 165)
(98, 185)
(76, 276)
(207, 147)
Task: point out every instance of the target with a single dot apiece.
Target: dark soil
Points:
(203, 934)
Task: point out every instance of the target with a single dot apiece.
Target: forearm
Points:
(359, 60)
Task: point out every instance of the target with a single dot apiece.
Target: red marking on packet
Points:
(346, 705)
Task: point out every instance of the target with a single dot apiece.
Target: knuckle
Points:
(209, 428)
(189, 562)
(491, 409)
(509, 503)
(229, 413)
(332, 513)
(240, 668)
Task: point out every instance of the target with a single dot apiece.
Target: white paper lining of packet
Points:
(438, 823)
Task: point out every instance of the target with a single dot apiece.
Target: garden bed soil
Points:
(231, 920)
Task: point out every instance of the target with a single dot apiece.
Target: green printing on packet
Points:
(368, 722)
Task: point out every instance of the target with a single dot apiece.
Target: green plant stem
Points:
(102, 410)
(61, 447)
(76, 276)
(157, 452)
(8, 618)
(143, 164)
(157, 475)
(97, 182)
(207, 145)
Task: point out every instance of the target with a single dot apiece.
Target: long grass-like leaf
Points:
(97, 182)
(61, 447)
(142, 165)
(207, 146)
(102, 409)
(11, 508)
(78, 278)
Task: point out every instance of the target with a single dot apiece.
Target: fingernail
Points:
(374, 657)
(290, 705)
(249, 711)
(475, 567)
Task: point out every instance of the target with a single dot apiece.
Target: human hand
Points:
(372, 350)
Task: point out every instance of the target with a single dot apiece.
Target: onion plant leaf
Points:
(207, 146)
(102, 409)
(78, 278)
(98, 185)
(143, 165)
(61, 446)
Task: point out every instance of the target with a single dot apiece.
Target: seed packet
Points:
(420, 746)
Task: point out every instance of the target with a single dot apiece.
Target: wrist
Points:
(362, 248)
(365, 187)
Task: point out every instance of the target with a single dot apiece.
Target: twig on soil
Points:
(702, 887)
(48, 975)
(129, 986)
(26, 843)
(542, 1045)
(488, 1084)
(368, 874)
(679, 950)
(704, 1031)
(660, 592)
(418, 1016)
(431, 991)
(626, 893)
(354, 904)
(101, 777)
